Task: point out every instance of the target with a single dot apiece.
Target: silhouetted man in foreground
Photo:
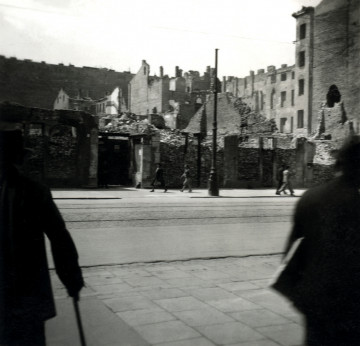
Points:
(27, 212)
(328, 217)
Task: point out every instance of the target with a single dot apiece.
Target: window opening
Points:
(333, 96)
(302, 31)
(302, 58)
(300, 119)
(301, 86)
(283, 98)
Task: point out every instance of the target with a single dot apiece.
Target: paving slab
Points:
(181, 304)
(259, 318)
(285, 334)
(166, 331)
(230, 332)
(202, 317)
(142, 317)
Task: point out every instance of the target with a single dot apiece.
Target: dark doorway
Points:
(114, 160)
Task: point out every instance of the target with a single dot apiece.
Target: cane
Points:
(79, 323)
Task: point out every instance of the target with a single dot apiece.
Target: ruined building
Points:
(176, 98)
(326, 71)
(110, 104)
(270, 93)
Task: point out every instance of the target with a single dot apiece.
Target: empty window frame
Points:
(300, 119)
(273, 78)
(282, 98)
(272, 99)
(283, 76)
(302, 33)
(301, 86)
(301, 61)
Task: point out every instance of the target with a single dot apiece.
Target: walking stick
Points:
(79, 323)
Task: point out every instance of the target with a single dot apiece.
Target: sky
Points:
(119, 34)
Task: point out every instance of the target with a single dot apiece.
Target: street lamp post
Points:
(213, 183)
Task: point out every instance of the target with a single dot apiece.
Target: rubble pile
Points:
(253, 122)
(126, 123)
(244, 111)
(174, 137)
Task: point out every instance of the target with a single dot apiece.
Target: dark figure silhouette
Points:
(328, 217)
(103, 173)
(286, 182)
(187, 179)
(159, 177)
(27, 212)
(279, 178)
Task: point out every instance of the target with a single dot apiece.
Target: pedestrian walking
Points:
(279, 178)
(27, 212)
(286, 183)
(159, 177)
(187, 179)
(327, 290)
(103, 173)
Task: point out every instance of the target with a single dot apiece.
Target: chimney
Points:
(161, 72)
(178, 72)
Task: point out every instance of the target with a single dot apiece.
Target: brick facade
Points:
(336, 55)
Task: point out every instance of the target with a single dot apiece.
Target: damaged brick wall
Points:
(62, 144)
(62, 147)
(336, 56)
(173, 158)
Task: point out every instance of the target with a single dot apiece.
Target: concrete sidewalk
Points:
(182, 303)
(116, 192)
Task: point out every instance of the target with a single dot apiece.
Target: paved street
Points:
(119, 226)
(206, 286)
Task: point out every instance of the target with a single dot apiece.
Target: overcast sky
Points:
(118, 34)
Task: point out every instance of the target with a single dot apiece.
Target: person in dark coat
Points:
(328, 217)
(159, 177)
(103, 172)
(279, 178)
(27, 212)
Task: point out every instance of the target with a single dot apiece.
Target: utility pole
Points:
(213, 182)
